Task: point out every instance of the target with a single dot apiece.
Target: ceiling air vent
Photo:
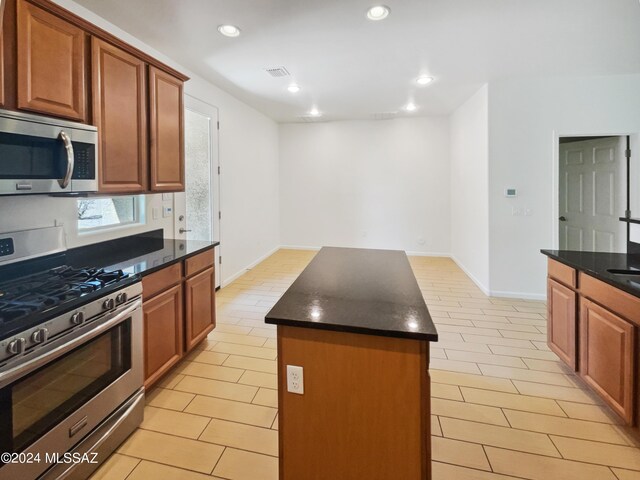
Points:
(383, 115)
(309, 118)
(278, 72)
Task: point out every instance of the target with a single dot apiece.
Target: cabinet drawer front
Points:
(198, 262)
(607, 345)
(616, 300)
(562, 273)
(562, 322)
(161, 280)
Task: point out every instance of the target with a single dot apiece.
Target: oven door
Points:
(42, 155)
(50, 402)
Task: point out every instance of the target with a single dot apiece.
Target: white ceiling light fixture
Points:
(314, 112)
(229, 30)
(424, 80)
(293, 88)
(378, 12)
(410, 107)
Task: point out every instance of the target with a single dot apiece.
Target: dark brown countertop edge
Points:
(429, 337)
(598, 271)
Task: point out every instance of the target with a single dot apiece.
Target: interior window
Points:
(99, 213)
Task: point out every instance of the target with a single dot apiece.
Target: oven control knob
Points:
(77, 318)
(16, 346)
(121, 298)
(108, 304)
(40, 336)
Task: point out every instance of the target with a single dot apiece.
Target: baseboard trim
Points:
(486, 290)
(298, 247)
(237, 275)
(523, 296)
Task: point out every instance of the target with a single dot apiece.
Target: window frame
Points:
(138, 215)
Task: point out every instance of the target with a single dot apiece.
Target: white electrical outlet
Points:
(167, 211)
(295, 379)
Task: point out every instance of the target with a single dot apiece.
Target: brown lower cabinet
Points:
(561, 329)
(179, 312)
(608, 354)
(593, 327)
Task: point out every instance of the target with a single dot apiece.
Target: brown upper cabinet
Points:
(166, 122)
(120, 113)
(51, 64)
(58, 64)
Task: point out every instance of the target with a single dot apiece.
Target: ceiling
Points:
(353, 68)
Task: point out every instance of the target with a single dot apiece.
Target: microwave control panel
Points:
(85, 161)
(6, 247)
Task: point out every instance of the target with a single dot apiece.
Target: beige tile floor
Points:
(503, 406)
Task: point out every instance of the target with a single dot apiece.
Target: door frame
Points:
(555, 173)
(197, 105)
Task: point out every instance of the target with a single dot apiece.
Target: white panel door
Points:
(196, 210)
(592, 189)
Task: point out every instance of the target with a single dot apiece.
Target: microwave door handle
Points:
(64, 182)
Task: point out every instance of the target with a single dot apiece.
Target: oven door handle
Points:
(20, 370)
(68, 146)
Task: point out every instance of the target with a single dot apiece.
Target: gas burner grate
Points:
(45, 290)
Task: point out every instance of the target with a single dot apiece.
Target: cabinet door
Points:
(200, 307)
(163, 336)
(120, 113)
(51, 64)
(167, 131)
(562, 322)
(607, 345)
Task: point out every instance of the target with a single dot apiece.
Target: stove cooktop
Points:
(27, 296)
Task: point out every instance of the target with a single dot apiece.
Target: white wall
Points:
(377, 184)
(470, 187)
(526, 116)
(249, 182)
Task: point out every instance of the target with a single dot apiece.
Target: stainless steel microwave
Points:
(46, 155)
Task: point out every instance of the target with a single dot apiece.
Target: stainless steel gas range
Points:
(71, 368)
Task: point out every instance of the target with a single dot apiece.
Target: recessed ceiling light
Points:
(424, 80)
(293, 88)
(378, 12)
(229, 30)
(314, 112)
(410, 107)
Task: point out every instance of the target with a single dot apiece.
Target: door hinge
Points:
(219, 215)
(218, 169)
(218, 123)
(627, 153)
(220, 259)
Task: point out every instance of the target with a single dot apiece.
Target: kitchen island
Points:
(356, 322)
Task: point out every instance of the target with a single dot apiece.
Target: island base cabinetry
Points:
(365, 410)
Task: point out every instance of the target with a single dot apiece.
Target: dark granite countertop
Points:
(596, 264)
(357, 290)
(137, 254)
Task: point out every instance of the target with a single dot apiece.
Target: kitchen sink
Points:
(617, 271)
